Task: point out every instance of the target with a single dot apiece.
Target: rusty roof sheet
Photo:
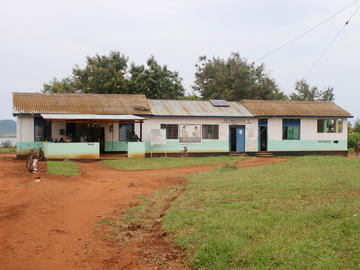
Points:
(196, 108)
(80, 103)
(294, 108)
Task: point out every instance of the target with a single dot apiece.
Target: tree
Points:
(110, 74)
(156, 81)
(102, 74)
(306, 93)
(233, 79)
(356, 127)
(66, 85)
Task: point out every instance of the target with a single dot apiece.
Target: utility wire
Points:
(306, 32)
(331, 43)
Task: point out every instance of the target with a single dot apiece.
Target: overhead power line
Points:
(331, 42)
(306, 32)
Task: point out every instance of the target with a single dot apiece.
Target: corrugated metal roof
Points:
(293, 108)
(196, 108)
(80, 103)
(91, 117)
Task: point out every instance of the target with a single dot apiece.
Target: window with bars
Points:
(172, 130)
(291, 129)
(125, 131)
(210, 132)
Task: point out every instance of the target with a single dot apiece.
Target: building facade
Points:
(86, 126)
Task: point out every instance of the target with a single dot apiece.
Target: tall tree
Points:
(306, 93)
(110, 74)
(234, 79)
(156, 81)
(102, 74)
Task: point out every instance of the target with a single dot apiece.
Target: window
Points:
(172, 131)
(42, 129)
(210, 132)
(329, 125)
(125, 131)
(291, 129)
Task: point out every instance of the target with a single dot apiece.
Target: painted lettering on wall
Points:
(237, 121)
(324, 141)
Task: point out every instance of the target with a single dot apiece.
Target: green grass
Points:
(162, 162)
(8, 150)
(300, 214)
(65, 168)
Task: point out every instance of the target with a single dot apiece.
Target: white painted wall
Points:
(308, 130)
(251, 128)
(55, 130)
(25, 129)
(275, 129)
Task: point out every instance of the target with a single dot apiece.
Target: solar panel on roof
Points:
(219, 103)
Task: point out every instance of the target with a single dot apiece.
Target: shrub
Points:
(351, 139)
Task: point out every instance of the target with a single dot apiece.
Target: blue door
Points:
(240, 139)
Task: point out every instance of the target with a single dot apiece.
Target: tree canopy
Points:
(233, 79)
(306, 93)
(110, 74)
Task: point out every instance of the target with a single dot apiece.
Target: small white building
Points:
(112, 124)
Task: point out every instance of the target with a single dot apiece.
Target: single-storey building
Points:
(93, 124)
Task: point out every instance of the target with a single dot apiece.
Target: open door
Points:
(237, 138)
(263, 135)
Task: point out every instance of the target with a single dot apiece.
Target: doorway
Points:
(263, 135)
(237, 138)
(100, 136)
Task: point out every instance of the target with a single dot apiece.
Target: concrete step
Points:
(264, 154)
(237, 154)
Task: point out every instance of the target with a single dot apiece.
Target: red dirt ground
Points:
(49, 224)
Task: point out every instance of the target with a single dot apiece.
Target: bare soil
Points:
(49, 222)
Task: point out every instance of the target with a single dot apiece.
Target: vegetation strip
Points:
(162, 162)
(141, 226)
(65, 168)
(8, 150)
(302, 214)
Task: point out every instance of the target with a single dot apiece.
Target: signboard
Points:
(190, 134)
(158, 137)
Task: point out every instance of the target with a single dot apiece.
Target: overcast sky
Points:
(44, 39)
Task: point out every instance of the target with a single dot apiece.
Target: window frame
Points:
(128, 129)
(214, 131)
(287, 126)
(171, 134)
(326, 126)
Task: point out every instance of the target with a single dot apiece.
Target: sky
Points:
(42, 39)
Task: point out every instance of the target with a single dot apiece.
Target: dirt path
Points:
(49, 224)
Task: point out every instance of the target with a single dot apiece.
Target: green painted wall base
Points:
(177, 147)
(72, 150)
(307, 145)
(136, 149)
(113, 146)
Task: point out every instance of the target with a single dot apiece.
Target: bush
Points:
(351, 139)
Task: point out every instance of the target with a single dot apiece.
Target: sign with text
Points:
(190, 134)
(158, 136)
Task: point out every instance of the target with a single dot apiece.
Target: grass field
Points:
(65, 168)
(162, 162)
(8, 150)
(301, 214)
